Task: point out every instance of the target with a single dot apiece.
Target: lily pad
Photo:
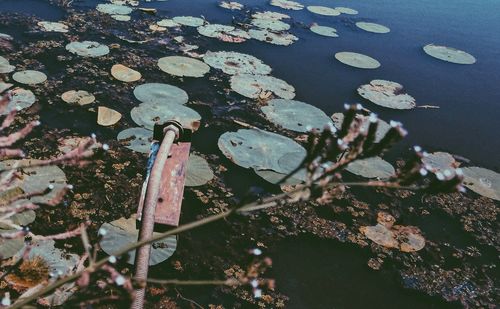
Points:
(345, 10)
(261, 150)
(252, 86)
(121, 17)
(283, 38)
(57, 260)
(382, 128)
(23, 218)
(198, 171)
(374, 167)
(372, 27)
(270, 24)
(114, 9)
(287, 4)
(160, 93)
(324, 30)
(5, 66)
(147, 114)
(224, 33)
(439, 161)
(29, 77)
(236, 63)
(21, 99)
(357, 60)
(189, 21)
(10, 247)
(107, 116)
(122, 232)
(183, 66)
(125, 74)
(482, 181)
(323, 10)
(50, 26)
(80, 97)
(270, 15)
(449, 54)
(137, 139)
(274, 177)
(387, 94)
(88, 49)
(231, 5)
(168, 23)
(295, 115)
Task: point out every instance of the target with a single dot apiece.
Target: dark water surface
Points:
(333, 275)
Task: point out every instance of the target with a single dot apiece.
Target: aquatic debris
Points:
(125, 74)
(449, 54)
(50, 26)
(147, 114)
(270, 24)
(198, 171)
(67, 144)
(114, 9)
(382, 128)
(372, 27)
(287, 4)
(323, 10)
(224, 33)
(439, 161)
(483, 181)
(387, 94)
(270, 15)
(345, 10)
(21, 99)
(168, 23)
(122, 232)
(295, 115)
(5, 66)
(261, 150)
(385, 233)
(357, 60)
(156, 28)
(231, 5)
(252, 86)
(88, 49)
(324, 30)
(183, 66)
(136, 139)
(284, 38)
(236, 63)
(29, 77)
(80, 97)
(189, 21)
(160, 94)
(107, 116)
(374, 167)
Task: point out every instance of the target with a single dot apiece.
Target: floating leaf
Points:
(198, 171)
(295, 115)
(274, 177)
(147, 114)
(345, 10)
(21, 99)
(251, 86)
(323, 10)
(121, 17)
(449, 54)
(23, 218)
(374, 167)
(270, 15)
(107, 116)
(382, 128)
(125, 74)
(224, 33)
(183, 66)
(357, 60)
(284, 38)
(287, 4)
(189, 21)
(270, 24)
(122, 232)
(160, 93)
(87, 49)
(372, 27)
(137, 139)
(4, 86)
(231, 5)
(5, 66)
(50, 26)
(114, 9)
(167, 22)
(80, 97)
(482, 181)
(10, 247)
(324, 30)
(387, 94)
(29, 77)
(439, 161)
(261, 150)
(236, 63)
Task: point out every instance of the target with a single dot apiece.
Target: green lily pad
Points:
(5, 36)
(21, 99)
(261, 150)
(147, 114)
(167, 22)
(29, 77)
(5, 66)
(122, 232)
(345, 10)
(439, 161)
(387, 94)
(231, 5)
(324, 31)
(374, 167)
(287, 4)
(80, 97)
(270, 15)
(87, 49)
(4, 86)
(382, 128)
(323, 10)
(121, 17)
(10, 247)
(482, 181)
(295, 115)
(224, 33)
(236, 63)
(357, 60)
(189, 21)
(198, 171)
(183, 66)
(23, 218)
(138, 139)
(267, 36)
(274, 177)
(50, 26)
(160, 93)
(372, 27)
(449, 54)
(270, 24)
(114, 9)
(252, 86)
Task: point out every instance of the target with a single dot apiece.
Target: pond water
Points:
(465, 124)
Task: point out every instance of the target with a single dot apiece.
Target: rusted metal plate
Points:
(168, 208)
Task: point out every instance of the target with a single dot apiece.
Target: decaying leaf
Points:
(107, 116)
